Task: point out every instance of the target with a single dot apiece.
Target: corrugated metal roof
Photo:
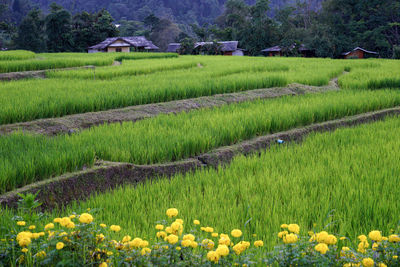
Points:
(173, 47)
(362, 49)
(276, 48)
(136, 41)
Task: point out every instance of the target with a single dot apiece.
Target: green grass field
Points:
(346, 180)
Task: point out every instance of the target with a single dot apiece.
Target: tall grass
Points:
(27, 158)
(351, 174)
(16, 55)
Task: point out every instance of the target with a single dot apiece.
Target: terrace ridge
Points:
(105, 176)
(76, 122)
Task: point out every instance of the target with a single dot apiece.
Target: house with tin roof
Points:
(227, 48)
(359, 53)
(123, 44)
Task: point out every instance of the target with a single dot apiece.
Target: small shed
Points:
(359, 53)
(123, 44)
(273, 51)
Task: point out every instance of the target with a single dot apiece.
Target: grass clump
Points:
(16, 55)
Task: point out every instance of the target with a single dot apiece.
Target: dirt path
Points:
(62, 125)
(105, 176)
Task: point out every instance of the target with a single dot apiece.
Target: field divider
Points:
(105, 176)
(13, 76)
(76, 122)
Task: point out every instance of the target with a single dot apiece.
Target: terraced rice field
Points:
(351, 173)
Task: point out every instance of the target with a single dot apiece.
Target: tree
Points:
(164, 32)
(31, 34)
(59, 30)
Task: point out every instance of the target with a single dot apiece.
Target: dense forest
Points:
(182, 11)
(329, 27)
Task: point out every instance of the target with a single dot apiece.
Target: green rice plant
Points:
(28, 158)
(16, 55)
(386, 76)
(346, 181)
(128, 68)
(138, 56)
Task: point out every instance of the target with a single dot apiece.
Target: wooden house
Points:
(227, 48)
(294, 49)
(359, 53)
(273, 51)
(123, 44)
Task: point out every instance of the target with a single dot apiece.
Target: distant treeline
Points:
(330, 27)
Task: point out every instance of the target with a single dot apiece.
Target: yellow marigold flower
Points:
(172, 239)
(115, 228)
(282, 234)
(159, 227)
(189, 237)
(103, 225)
(161, 234)
(375, 236)
(343, 238)
(311, 233)
(145, 251)
(40, 254)
(72, 216)
(362, 246)
(126, 239)
(214, 234)
(294, 228)
(21, 223)
(144, 244)
(196, 222)
(136, 242)
(331, 240)
(375, 246)
(169, 230)
(32, 227)
(86, 218)
(236, 233)
(179, 221)
(213, 256)
(284, 226)
(222, 250)
(24, 250)
(35, 235)
(65, 221)
(368, 262)
(59, 245)
(100, 238)
(362, 238)
(186, 243)
(239, 248)
(208, 244)
(49, 226)
(103, 264)
(381, 264)
(176, 226)
(344, 251)
(172, 212)
(245, 244)
(70, 225)
(24, 242)
(57, 220)
(290, 239)
(41, 233)
(394, 238)
(209, 229)
(384, 238)
(202, 228)
(321, 248)
(193, 244)
(178, 248)
(258, 243)
(322, 237)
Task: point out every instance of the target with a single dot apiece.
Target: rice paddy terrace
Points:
(106, 137)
